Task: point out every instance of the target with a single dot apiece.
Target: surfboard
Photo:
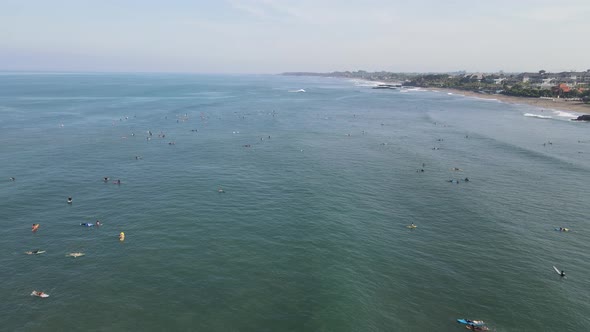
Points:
(35, 293)
(411, 227)
(473, 322)
(75, 254)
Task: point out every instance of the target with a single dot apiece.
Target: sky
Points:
(274, 36)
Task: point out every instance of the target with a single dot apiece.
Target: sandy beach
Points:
(556, 104)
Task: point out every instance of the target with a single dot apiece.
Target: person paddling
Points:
(562, 274)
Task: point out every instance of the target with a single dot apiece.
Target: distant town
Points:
(569, 86)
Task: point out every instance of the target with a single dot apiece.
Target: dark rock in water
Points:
(585, 117)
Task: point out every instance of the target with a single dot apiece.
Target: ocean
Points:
(255, 206)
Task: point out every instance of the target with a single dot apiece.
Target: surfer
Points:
(34, 252)
(106, 179)
(12, 179)
(97, 223)
(466, 180)
(220, 190)
(118, 182)
(477, 328)
(87, 224)
(562, 274)
(70, 200)
(35, 227)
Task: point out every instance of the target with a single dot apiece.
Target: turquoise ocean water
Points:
(310, 233)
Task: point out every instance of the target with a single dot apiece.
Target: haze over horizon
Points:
(273, 36)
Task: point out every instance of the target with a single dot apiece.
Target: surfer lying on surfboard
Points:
(474, 325)
(477, 328)
(39, 294)
(35, 252)
(561, 273)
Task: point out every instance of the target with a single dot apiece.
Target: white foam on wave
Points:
(487, 99)
(538, 116)
(366, 83)
(300, 90)
(565, 114)
(412, 90)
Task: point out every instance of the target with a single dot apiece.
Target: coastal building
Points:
(547, 83)
(546, 80)
(474, 76)
(561, 89)
(532, 78)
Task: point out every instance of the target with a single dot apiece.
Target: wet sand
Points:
(556, 104)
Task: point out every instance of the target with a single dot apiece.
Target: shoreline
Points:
(557, 105)
(554, 105)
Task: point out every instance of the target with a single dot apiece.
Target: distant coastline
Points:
(547, 93)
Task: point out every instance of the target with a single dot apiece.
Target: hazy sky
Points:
(271, 36)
